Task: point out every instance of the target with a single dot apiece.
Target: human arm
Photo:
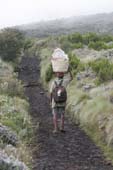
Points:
(71, 76)
(51, 91)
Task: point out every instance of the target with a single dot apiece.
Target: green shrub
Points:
(14, 114)
(67, 46)
(107, 38)
(74, 61)
(62, 38)
(110, 46)
(83, 97)
(78, 45)
(9, 83)
(97, 45)
(75, 64)
(81, 67)
(75, 38)
(11, 87)
(97, 82)
(11, 43)
(48, 73)
(17, 122)
(103, 69)
(71, 42)
(90, 37)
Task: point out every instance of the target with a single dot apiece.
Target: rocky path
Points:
(70, 151)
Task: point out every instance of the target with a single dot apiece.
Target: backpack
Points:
(59, 93)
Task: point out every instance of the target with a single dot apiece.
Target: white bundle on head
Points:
(60, 61)
(59, 54)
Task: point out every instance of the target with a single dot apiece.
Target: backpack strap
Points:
(59, 84)
(56, 83)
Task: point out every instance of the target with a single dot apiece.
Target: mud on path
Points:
(70, 151)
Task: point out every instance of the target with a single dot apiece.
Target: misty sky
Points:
(17, 12)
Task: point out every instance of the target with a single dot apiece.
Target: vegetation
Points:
(9, 84)
(98, 45)
(46, 69)
(11, 43)
(92, 40)
(93, 112)
(75, 64)
(103, 68)
(15, 116)
(84, 108)
(14, 112)
(49, 73)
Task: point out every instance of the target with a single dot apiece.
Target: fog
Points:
(17, 12)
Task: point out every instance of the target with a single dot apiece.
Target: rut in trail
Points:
(71, 151)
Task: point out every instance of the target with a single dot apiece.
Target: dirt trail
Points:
(71, 151)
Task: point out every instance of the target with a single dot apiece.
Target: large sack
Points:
(59, 54)
(60, 61)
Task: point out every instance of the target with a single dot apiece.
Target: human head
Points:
(60, 74)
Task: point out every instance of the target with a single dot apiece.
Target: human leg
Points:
(55, 120)
(62, 112)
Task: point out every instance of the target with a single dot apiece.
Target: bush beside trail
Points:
(15, 123)
(12, 44)
(103, 69)
(92, 40)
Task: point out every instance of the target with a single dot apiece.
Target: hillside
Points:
(89, 105)
(99, 23)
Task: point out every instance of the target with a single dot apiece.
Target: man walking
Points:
(58, 97)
